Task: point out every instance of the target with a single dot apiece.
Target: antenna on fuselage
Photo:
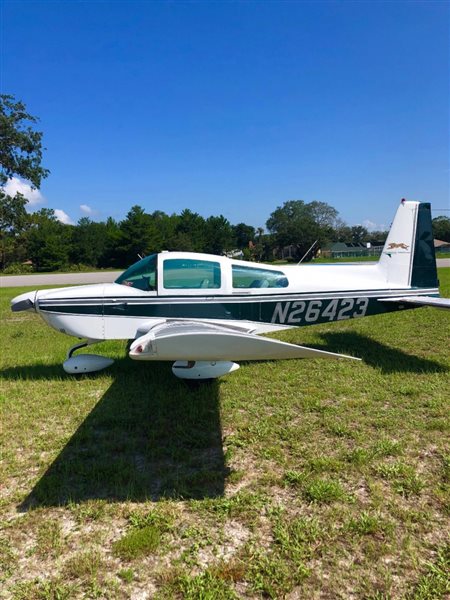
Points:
(307, 252)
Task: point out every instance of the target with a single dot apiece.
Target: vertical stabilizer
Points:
(408, 257)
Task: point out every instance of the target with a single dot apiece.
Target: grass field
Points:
(291, 479)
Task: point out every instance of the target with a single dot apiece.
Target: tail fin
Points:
(408, 257)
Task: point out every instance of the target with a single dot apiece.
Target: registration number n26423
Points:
(310, 311)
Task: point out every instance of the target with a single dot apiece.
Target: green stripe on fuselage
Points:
(287, 312)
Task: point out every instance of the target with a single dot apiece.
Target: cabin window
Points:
(253, 277)
(141, 275)
(184, 273)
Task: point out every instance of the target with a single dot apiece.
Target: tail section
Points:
(408, 258)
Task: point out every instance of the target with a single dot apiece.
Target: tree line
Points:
(40, 240)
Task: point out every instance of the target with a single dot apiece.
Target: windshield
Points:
(141, 275)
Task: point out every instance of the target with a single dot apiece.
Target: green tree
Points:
(13, 215)
(20, 155)
(88, 244)
(109, 257)
(300, 224)
(342, 232)
(359, 234)
(165, 226)
(218, 235)
(293, 224)
(137, 233)
(48, 241)
(14, 222)
(243, 235)
(20, 146)
(441, 228)
(377, 237)
(189, 232)
(323, 214)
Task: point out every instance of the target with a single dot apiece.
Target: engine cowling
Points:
(201, 369)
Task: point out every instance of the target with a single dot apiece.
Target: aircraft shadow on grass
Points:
(149, 437)
(375, 354)
(152, 436)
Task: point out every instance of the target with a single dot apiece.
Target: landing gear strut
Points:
(79, 346)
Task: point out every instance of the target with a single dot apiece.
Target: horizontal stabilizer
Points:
(193, 340)
(421, 301)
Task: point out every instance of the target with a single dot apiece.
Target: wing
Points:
(200, 341)
(421, 301)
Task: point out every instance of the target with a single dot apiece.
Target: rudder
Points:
(408, 257)
(424, 271)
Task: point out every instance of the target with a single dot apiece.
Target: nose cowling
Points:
(24, 302)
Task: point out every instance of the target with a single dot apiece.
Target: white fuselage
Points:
(106, 311)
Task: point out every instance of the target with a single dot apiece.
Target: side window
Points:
(180, 273)
(252, 277)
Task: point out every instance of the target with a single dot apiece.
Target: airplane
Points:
(205, 312)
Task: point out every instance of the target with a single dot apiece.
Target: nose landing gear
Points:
(85, 363)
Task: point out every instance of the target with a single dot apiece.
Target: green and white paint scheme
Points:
(204, 312)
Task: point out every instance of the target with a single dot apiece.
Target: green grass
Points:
(323, 491)
(204, 586)
(137, 543)
(83, 565)
(435, 583)
(302, 478)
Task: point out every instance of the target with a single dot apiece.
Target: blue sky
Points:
(234, 107)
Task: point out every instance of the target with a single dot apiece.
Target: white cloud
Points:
(63, 217)
(14, 185)
(86, 209)
(371, 226)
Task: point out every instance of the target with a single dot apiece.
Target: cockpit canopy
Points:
(168, 272)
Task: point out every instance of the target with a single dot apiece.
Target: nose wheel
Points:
(85, 363)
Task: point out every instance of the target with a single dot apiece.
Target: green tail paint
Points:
(424, 272)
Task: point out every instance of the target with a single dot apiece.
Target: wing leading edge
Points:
(198, 341)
